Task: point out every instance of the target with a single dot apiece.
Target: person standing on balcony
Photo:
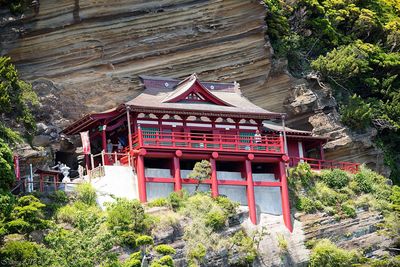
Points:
(257, 137)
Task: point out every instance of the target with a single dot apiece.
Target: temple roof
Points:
(192, 95)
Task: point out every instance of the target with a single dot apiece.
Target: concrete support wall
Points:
(268, 199)
(160, 173)
(235, 193)
(157, 190)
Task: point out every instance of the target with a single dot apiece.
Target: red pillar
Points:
(214, 180)
(251, 202)
(177, 174)
(321, 149)
(285, 197)
(141, 178)
(104, 143)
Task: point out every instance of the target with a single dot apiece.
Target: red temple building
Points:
(173, 124)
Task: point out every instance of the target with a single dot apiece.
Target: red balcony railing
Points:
(320, 164)
(199, 141)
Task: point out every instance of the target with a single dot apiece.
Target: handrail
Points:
(263, 144)
(319, 164)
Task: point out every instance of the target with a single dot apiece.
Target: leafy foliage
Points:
(201, 172)
(325, 253)
(355, 46)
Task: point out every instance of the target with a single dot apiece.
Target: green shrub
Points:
(132, 263)
(144, 240)
(325, 253)
(27, 215)
(177, 199)
(197, 253)
(306, 204)
(301, 172)
(216, 219)
(78, 214)
(335, 178)
(349, 210)
(159, 202)
(166, 261)
(128, 238)
(24, 254)
(164, 249)
(86, 193)
(227, 205)
(126, 215)
(244, 249)
(326, 195)
(59, 197)
(395, 198)
(282, 243)
(364, 183)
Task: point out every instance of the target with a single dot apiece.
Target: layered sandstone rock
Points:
(85, 55)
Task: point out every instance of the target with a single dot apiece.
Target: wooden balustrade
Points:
(320, 164)
(198, 141)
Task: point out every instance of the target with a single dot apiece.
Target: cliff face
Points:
(84, 56)
(93, 51)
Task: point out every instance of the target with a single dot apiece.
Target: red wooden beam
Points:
(285, 197)
(251, 202)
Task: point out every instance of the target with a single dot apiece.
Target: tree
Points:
(201, 172)
(16, 98)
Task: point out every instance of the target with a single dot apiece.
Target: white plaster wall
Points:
(119, 181)
(157, 190)
(223, 175)
(185, 173)
(191, 187)
(157, 173)
(234, 192)
(264, 177)
(268, 199)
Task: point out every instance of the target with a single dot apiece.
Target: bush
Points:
(78, 214)
(325, 253)
(326, 195)
(128, 238)
(135, 260)
(301, 172)
(86, 193)
(24, 253)
(306, 204)
(165, 249)
(166, 261)
(59, 197)
(27, 215)
(364, 183)
(227, 205)
(126, 215)
(197, 253)
(159, 202)
(349, 210)
(335, 178)
(177, 199)
(216, 219)
(244, 249)
(282, 243)
(144, 240)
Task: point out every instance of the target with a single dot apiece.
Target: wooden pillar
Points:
(104, 138)
(251, 202)
(55, 182)
(141, 178)
(41, 187)
(177, 174)
(285, 197)
(128, 119)
(321, 150)
(214, 180)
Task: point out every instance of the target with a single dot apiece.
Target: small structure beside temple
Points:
(172, 124)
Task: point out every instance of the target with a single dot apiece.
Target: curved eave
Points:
(86, 121)
(247, 115)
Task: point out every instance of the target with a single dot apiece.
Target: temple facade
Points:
(173, 124)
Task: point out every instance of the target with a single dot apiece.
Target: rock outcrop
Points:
(84, 56)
